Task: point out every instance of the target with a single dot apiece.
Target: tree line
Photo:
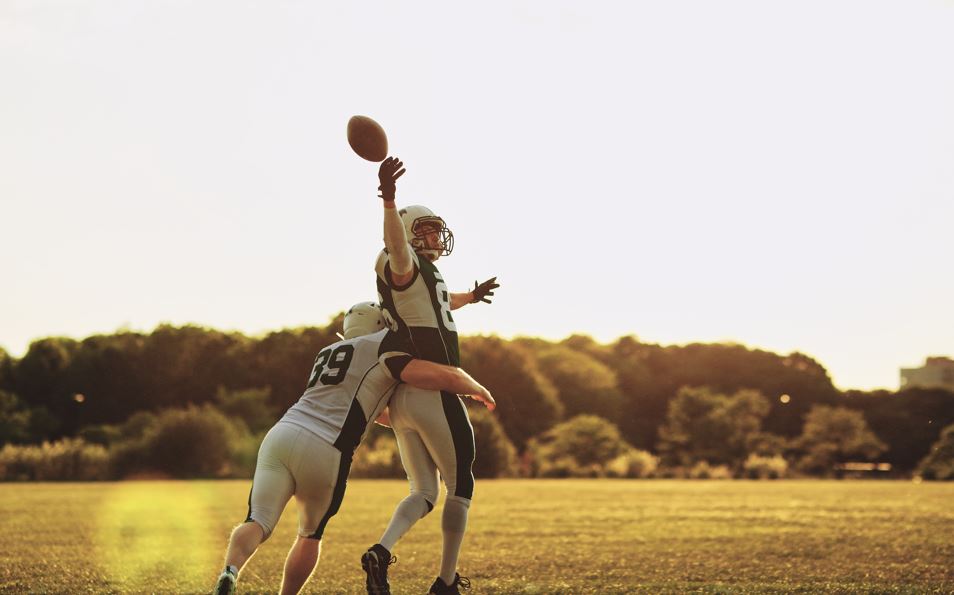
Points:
(572, 407)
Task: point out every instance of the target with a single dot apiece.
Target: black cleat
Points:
(225, 584)
(375, 563)
(441, 588)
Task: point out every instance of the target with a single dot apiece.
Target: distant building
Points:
(937, 372)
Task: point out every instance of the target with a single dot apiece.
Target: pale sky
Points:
(779, 175)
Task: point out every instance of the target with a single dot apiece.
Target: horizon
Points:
(776, 176)
(257, 335)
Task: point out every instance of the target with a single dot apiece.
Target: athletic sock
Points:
(454, 525)
(409, 511)
(233, 570)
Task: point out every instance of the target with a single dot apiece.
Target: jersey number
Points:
(443, 298)
(336, 361)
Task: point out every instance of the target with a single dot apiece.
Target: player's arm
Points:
(395, 238)
(431, 376)
(479, 293)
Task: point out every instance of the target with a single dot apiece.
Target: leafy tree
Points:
(282, 360)
(527, 402)
(14, 419)
(584, 384)
(107, 371)
(835, 435)
(649, 376)
(6, 371)
(41, 381)
(909, 421)
(939, 463)
(187, 364)
(582, 446)
(250, 406)
(703, 425)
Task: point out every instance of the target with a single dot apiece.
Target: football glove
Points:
(391, 169)
(484, 290)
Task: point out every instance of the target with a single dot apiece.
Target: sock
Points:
(409, 511)
(453, 524)
(233, 570)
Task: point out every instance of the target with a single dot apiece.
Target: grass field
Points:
(575, 536)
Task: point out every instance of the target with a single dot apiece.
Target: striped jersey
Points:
(349, 386)
(421, 309)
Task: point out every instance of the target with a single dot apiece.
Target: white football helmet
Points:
(364, 318)
(418, 221)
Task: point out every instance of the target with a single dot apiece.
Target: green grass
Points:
(525, 537)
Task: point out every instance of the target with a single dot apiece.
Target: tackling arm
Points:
(431, 376)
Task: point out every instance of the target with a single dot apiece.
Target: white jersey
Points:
(421, 309)
(350, 384)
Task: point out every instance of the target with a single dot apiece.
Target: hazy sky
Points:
(775, 174)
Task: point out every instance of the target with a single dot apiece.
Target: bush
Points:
(102, 434)
(70, 459)
(580, 447)
(758, 467)
(378, 458)
(834, 435)
(245, 455)
(636, 464)
(193, 442)
(703, 470)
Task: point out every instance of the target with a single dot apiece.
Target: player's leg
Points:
(272, 487)
(321, 474)
(300, 564)
(422, 477)
(449, 438)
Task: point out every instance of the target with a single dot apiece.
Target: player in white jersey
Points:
(308, 452)
(432, 428)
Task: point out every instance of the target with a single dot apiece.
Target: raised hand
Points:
(484, 290)
(391, 169)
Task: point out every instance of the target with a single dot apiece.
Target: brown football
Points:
(367, 138)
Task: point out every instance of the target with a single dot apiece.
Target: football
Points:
(367, 138)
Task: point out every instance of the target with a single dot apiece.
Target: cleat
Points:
(225, 584)
(441, 588)
(375, 563)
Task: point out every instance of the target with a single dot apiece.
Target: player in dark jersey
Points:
(432, 428)
(308, 452)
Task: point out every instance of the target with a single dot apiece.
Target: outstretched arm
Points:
(480, 293)
(431, 376)
(395, 238)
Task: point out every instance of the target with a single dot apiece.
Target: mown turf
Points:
(526, 537)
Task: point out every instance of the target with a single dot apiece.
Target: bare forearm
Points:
(395, 240)
(431, 376)
(458, 300)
